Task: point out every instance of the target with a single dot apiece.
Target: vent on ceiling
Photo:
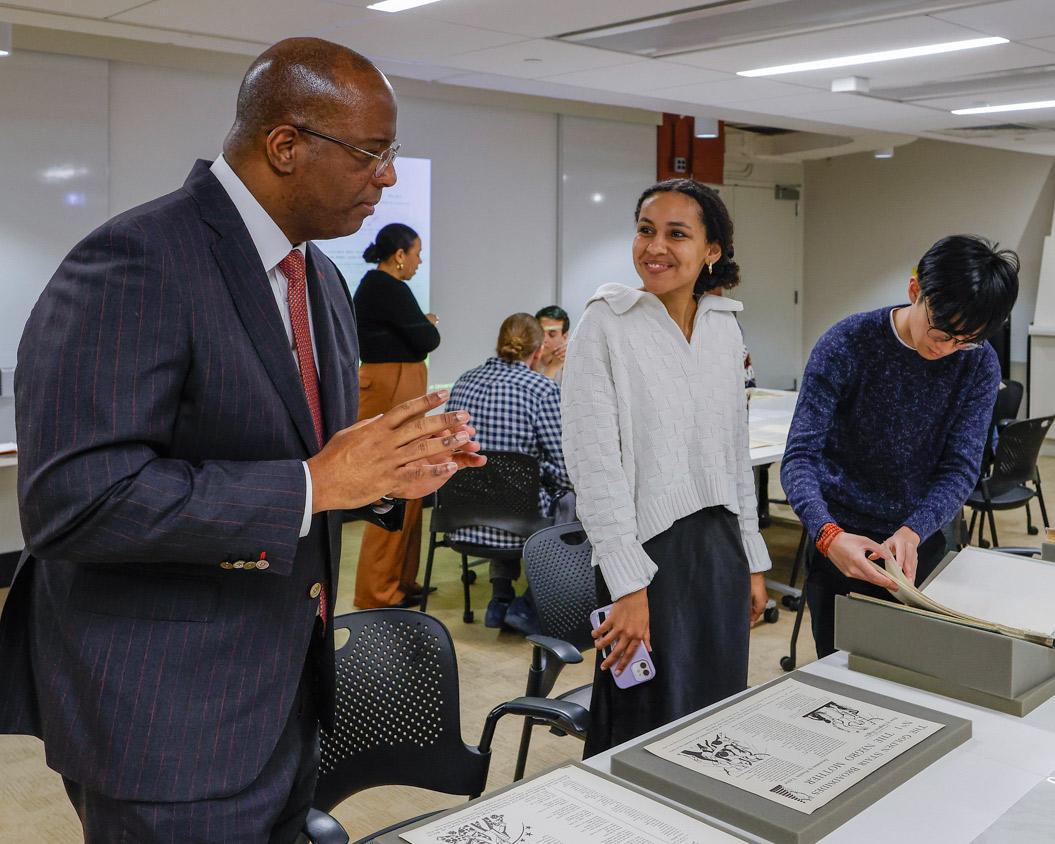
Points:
(761, 130)
(728, 22)
(995, 130)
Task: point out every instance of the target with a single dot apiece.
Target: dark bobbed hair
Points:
(519, 336)
(555, 312)
(716, 221)
(388, 242)
(969, 284)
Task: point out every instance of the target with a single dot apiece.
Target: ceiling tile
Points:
(382, 35)
(731, 91)
(847, 40)
(537, 18)
(639, 77)
(1014, 19)
(244, 18)
(1047, 43)
(537, 58)
(80, 8)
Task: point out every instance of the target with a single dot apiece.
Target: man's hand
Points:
(465, 457)
(400, 452)
(851, 554)
(759, 596)
(902, 545)
(626, 625)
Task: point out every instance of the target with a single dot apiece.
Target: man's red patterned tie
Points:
(292, 267)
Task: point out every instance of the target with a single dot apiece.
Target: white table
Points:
(769, 418)
(958, 797)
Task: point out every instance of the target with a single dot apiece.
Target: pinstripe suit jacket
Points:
(162, 424)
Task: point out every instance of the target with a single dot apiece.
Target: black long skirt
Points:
(699, 603)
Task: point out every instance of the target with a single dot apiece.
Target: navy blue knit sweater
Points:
(882, 437)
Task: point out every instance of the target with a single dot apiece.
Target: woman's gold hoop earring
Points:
(710, 269)
(399, 266)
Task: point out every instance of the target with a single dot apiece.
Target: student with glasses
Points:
(887, 437)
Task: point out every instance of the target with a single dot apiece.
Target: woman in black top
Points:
(394, 339)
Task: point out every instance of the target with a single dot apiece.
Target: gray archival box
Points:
(772, 821)
(966, 663)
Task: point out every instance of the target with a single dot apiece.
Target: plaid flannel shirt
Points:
(513, 409)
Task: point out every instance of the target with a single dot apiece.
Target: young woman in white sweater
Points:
(656, 444)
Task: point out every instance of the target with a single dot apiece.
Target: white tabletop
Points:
(769, 415)
(955, 799)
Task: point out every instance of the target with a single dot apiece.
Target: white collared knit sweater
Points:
(655, 428)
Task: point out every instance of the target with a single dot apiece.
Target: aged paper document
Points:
(570, 805)
(794, 744)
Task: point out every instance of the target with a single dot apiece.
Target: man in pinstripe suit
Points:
(186, 384)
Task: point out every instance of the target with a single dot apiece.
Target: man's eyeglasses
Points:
(384, 159)
(944, 336)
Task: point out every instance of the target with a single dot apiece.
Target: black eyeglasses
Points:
(944, 336)
(384, 159)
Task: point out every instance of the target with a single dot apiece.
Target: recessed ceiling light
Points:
(870, 58)
(398, 5)
(532, 60)
(884, 153)
(1010, 107)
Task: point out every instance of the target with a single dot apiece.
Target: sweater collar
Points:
(622, 298)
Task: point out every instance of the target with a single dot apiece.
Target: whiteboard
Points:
(408, 202)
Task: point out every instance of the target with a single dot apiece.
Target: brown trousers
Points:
(388, 561)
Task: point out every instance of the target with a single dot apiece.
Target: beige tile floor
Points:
(492, 667)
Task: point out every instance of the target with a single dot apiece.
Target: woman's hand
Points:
(626, 625)
(759, 596)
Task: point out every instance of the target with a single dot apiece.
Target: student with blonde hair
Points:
(514, 409)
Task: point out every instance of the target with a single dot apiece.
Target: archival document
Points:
(794, 744)
(570, 805)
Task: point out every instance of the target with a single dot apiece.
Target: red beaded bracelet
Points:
(827, 536)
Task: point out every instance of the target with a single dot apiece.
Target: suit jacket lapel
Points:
(247, 281)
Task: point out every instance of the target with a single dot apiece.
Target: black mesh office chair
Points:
(1004, 486)
(504, 493)
(557, 561)
(398, 721)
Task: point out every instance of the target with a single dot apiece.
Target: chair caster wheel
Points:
(771, 615)
(790, 601)
(983, 543)
(469, 577)
(787, 663)
(467, 617)
(1033, 530)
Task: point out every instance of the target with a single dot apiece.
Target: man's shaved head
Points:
(301, 81)
(313, 187)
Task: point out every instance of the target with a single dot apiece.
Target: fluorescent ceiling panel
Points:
(398, 5)
(873, 58)
(1000, 109)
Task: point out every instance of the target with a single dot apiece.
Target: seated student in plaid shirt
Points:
(514, 409)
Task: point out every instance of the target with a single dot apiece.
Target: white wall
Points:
(53, 182)
(604, 167)
(868, 222)
(494, 189)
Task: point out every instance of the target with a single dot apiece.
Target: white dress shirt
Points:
(272, 246)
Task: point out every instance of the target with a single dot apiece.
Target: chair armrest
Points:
(566, 652)
(322, 828)
(563, 714)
